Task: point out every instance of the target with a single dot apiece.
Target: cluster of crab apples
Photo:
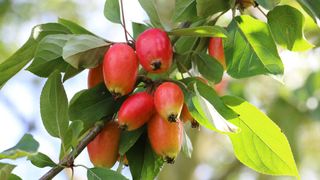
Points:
(160, 106)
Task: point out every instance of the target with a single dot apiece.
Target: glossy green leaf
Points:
(200, 31)
(185, 10)
(112, 11)
(151, 9)
(250, 49)
(186, 145)
(128, 139)
(5, 170)
(70, 72)
(48, 56)
(311, 7)
(104, 174)
(209, 104)
(25, 147)
(92, 105)
(41, 160)
(209, 67)
(268, 4)
(260, 145)
(138, 28)
(286, 24)
(152, 164)
(22, 56)
(206, 8)
(144, 163)
(54, 106)
(74, 27)
(84, 51)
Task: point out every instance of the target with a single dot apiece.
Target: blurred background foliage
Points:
(292, 102)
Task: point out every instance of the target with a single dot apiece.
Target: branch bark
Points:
(68, 160)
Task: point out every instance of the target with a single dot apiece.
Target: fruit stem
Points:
(123, 22)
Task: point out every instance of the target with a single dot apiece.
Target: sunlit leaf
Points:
(286, 24)
(25, 147)
(260, 145)
(250, 49)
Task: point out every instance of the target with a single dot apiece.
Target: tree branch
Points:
(68, 160)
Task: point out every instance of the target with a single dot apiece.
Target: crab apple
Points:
(243, 4)
(216, 50)
(136, 111)
(95, 76)
(165, 137)
(168, 101)
(186, 117)
(120, 69)
(154, 50)
(103, 149)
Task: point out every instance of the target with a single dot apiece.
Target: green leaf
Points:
(206, 8)
(250, 49)
(186, 145)
(17, 61)
(5, 170)
(21, 57)
(151, 9)
(71, 72)
(84, 51)
(311, 7)
(185, 10)
(41, 160)
(209, 105)
(200, 31)
(286, 24)
(48, 56)
(104, 174)
(92, 105)
(138, 28)
(209, 67)
(152, 164)
(144, 163)
(260, 145)
(54, 106)
(128, 139)
(268, 4)
(112, 11)
(74, 27)
(74, 132)
(25, 147)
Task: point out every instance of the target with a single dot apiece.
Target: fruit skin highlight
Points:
(154, 50)
(168, 101)
(216, 50)
(103, 149)
(120, 69)
(95, 76)
(186, 117)
(165, 137)
(136, 111)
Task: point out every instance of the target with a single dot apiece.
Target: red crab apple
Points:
(120, 69)
(103, 149)
(136, 111)
(154, 50)
(168, 100)
(165, 137)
